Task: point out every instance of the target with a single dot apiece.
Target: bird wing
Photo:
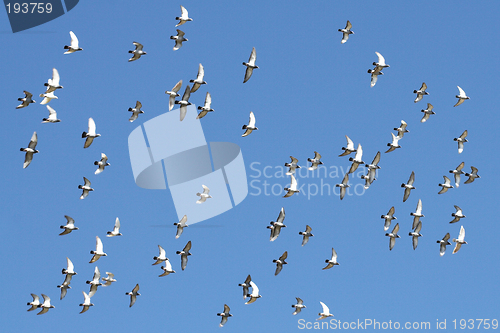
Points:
(98, 244)
(461, 235)
(284, 256)
(177, 87)
(464, 135)
(187, 247)
(138, 46)
(359, 153)
(281, 215)
(136, 289)
(461, 92)
(33, 141)
(255, 289)
(92, 127)
(74, 40)
(187, 93)
(411, 180)
(345, 37)
(206, 190)
(251, 121)
(326, 310)
(348, 26)
(418, 211)
(392, 242)
(71, 267)
(86, 181)
(350, 144)
(248, 74)
(55, 77)
(253, 57)
(334, 255)
(457, 247)
(381, 59)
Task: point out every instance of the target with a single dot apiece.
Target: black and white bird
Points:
(34, 303)
(184, 255)
(457, 172)
(472, 176)
(206, 107)
(349, 147)
(379, 66)
(446, 185)
(203, 196)
(52, 84)
(98, 250)
(293, 187)
(299, 306)
(65, 286)
(306, 234)
(460, 240)
(408, 186)
(108, 280)
(45, 305)
(138, 52)
(47, 97)
(393, 235)
(225, 315)
(27, 100)
(280, 262)
(199, 79)
(251, 125)
(461, 96)
(102, 164)
(415, 234)
(136, 111)
(255, 293)
(52, 116)
(184, 102)
(372, 171)
(179, 38)
(167, 269)
(73, 47)
(70, 268)
(326, 312)
(356, 161)
(245, 286)
(315, 161)
(180, 226)
(346, 32)
(394, 144)
(30, 150)
(86, 188)
(420, 92)
(402, 129)
(250, 65)
(69, 227)
(417, 215)
(343, 186)
(388, 218)
(184, 17)
(442, 244)
(427, 113)
(86, 302)
(292, 166)
(173, 94)
(133, 295)
(461, 140)
(91, 134)
(457, 215)
(332, 261)
(277, 225)
(161, 257)
(116, 229)
(95, 282)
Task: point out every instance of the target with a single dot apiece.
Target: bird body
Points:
(388, 218)
(250, 65)
(280, 262)
(408, 186)
(461, 96)
(225, 315)
(299, 306)
(443, 243)
(203, 196)
(446, 185)
(26, 100)
(326, 312)
(346, 32)
(293, 187)
(91, 134)
(457, 215)
(173, 94)
(184, 102)
(199, 79)
(102, 164)
(251, 125)
(306, 234)
(349, 147)
(461, 140)
(392, 236)
(184, 255)
(180, 226)
(472, 176)
(73, 47)
(85, 188)
(45, 305)
(98, 250)
(332, 261)
(133, 295)
(356, 161)
(136, 111)
(315, 161)
(415, 234)
(116, 229)
(420, 92)
(184, 17)
(255, 293)
(460, 240)
(30, 150)
(292, 166)
(427, 112)
(138, 52)
(179, 38)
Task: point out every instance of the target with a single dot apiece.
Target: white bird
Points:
(52, 116)
(306, 234)
(277, 225)
(48, 97)
(70, 270)
(417, 215)
(460, 240)
(30, 150)
(251, 125)
(461, 140)
(420, 92)
(179, 38)
(408, 186)
(98, 250)
(299, 306)
(203, 196)
(415, 234)
(167, 269)
(394, 144)
(402, 129)
(136, 111)
(457, 215)
(35, 303)
(427, 112)
(184, 102)
(180, 226)
(225, 315)
(393, 235)
(379, 66)
(102, 164)
(45, 305)
(138, 52)
(292, 166)
(388, 218)
(173, 94)
(65, 286)
(443, 243)
(245, 286)
(326, 312)
(343, 186)
(250, 65)
(461, 96)
(95, 282)
(255, 293)
(53, 83)
(332, 261)
(184, 255)
(108, 279)
(116, 229)
(69, 227)
(346, 32)
(133, 295)
(472, 176)
(356, 161)
(91, 134)
(457, 172)
(161, 257)
(446, 185)
(86, 302)
(293, 187)
(184, 17)
(349, 148)
(315, 161)
(86, 188)
(205, 108)
(27, 100)
(199, 79)
(73, 47)
(280, 262)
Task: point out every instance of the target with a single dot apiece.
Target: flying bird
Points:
(86, 302)
(472, 176)
(427, 112)
(173, 94)
(245, 286)
(167, 269)
(388, 218)
(292, 166)
(48, 97)
(446, 185)
(30, 150)
(45, 305)
(184, 255)
(35, 303)
(225, 315)
(408, 186)
(326, 312)
(251, 125)
(179, 38)
(85, 187)
(461, 140)
(393, 235)
(306, 234)
(91, 134)
(332, 261)
(415, 234)
(315, 161)
(203, 196)
(417, 215)
(299, 306)
(442, 244)
(349, 148)
(402, 129)
(277, 225)
(356, 161)
(184, 102)
(180, 226)
(293, 187)
(53, 83)
(65, 286)
(420, 92)
(27, 100)
(460, 240)
(343, 186)
(250, 65)
(372, 171)
(346, 32)
(136, 111)
(379, 66)
(133, 295)
(199, 79)
(70, 270)
(457, 215)
(52, 116)
(394, 144)
(138, 52)
(184, 17)
(457, 172)
(73, 47)
(98, 250)
(102, 164)
(255, 293)
(95, 282)
(205, 108)
(280, 262)
(461, 96)
(108, 279)
(116, 229)
(161, 257)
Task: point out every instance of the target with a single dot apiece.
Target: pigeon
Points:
(95, 282)
(346, 32)
(388, 218)
(408, 186)
(292, 189)
(180, 227)
(205, 108)
(461, 96)
(173, 94)
(277, 225)
(52, 116)
(102, 164)
(133, 295)
(70, 270)
(225, 315)
(326, 312)
(184, 17)
(292, 165)
(446, 185)
(374, 165)
(53, 83)
(108, 279)
(98, 250)
(184, 255)
(394, 144)
(350, 147)
(443, 243)
(251, 125)
(116, 229)
(393, 235)
(402, 129)
(184, 102)
(48, 97)
(306, 234)
(73, 47)
(203, 196)
(343, 186)
(461, 140)
(30, 150)
(427, 112)
(472, 176)
(135, 111)
(86, 302)
(245, 286)
(255, 293)
(250, 65)
(299, 306)
(179, 38)
(65, 286)
(315, 161)
(69, 227)
(86, 188)
(379, 66)
(415, 234)
(199, 79)
(90, 135)
(138, 52)
(280, 262)
(35, 303)
(167, 269)
(372, 171)
(457, 215)
(27, 100)
(420, 92)
(161, 257)
(356, 161)
(333, 261)
(45, 305)
(417, 215)
(457, 172)
(460, 240)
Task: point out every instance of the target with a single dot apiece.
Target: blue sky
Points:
(309, 92)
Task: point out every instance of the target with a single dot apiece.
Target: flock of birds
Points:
(275, 226)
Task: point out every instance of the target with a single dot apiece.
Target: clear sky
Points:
(309, 92)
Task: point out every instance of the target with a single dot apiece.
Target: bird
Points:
(457, 172)
(393, 235)
(306, 234)
(472, 176)
(47, 97)
(98, 250)
(91, 134)
(225, 315)
(277, 225)
(70, 270)
(326, 312)
(415, 234)
(184, 255)
(179, 38)
(255, 293)
(73, 47)
(427, 112)
(372, 170)
(460, 240)
(116, 229)
(299, 306)
(442, 244)
(138, 52)
(30, 150)
(402, 129)
(161, 257)
(346, 32)
(250, 65)
(203, 196)
(315, 161)
(184, 102)
(65, 286)
(356, 161)
(52, 116)
(388, 218)
(349, 148)
(343, 186)
(205, 108)
(167, 269)
(35, 303)
(69, 227)
(280, 262)
(332, 261)
(292, 166)
(394, 144)
(199, 79)
(461, 96)
(379, 66)
(293, 187)
(102, 164)
(184, 17)
(86, 188)
(86, 302)
(133, 295)
(108, 279)
(420, 92)
(135, 111)
(27, 100)
(180, 226)
(446, 185)
(251, 125)
(53, 83)
(95, 282)
(45, 305)
(245, 286)
(173, 94)
(408, 186)
(461, 140)
(457, 215)
(417, 215)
